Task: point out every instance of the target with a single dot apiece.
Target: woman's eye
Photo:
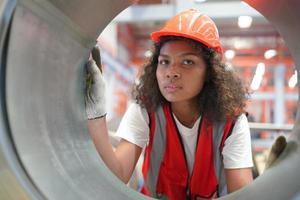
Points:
(163, 62)
(188, 62)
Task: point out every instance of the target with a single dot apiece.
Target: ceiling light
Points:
(260, 69)
(148, 54)
(270, 53)
(229, 54)
(244, 21)
(256, 82)
(293, 80)
(258, 77)
(242, 44)
(199, 1)
(237, 44)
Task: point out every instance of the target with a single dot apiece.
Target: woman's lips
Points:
(172, 88)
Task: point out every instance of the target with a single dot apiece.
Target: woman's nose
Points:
(173, 71)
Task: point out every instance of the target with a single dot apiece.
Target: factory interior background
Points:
(252, 47)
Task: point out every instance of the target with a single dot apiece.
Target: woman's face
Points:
(180, 72)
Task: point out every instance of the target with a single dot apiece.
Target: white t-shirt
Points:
(237, 153)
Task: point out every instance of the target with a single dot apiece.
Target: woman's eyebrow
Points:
(183, 54)
(163, 55)
(190, 54)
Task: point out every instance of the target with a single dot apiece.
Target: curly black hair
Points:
(223, 94)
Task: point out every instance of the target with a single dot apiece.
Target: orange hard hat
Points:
(194, 25)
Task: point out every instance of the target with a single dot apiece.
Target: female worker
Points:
(188, 111)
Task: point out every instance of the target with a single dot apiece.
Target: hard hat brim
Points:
(155, 36)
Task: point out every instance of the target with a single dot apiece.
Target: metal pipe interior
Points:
(45, 149)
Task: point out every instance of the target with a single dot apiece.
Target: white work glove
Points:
(95, 87)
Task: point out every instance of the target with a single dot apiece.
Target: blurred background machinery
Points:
(252, 45)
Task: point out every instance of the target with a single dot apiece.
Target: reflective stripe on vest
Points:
(165, 169)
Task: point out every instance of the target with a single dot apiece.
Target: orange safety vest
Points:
(165, 168)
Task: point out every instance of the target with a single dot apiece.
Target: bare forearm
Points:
(99, 133)
(238, 178)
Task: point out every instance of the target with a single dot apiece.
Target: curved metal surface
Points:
(49, 42)
(282, 181)
(45, 149)
(14, 182)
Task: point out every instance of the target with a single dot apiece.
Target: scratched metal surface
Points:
(48, 44)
